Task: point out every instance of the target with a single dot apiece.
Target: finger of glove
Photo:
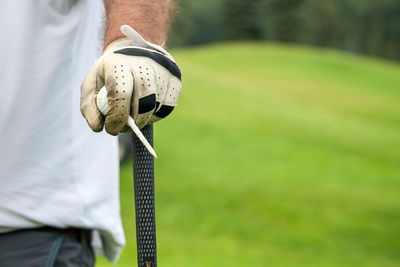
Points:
(171, 96)
(168, 100)
(119, 85)
(144, 96)
(89, 89)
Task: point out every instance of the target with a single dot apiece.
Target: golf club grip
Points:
(143, 172)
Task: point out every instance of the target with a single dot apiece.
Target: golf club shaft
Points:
(143, 171)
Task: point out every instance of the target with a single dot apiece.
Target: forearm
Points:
(149, 18)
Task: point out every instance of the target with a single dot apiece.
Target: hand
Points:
(141, 78)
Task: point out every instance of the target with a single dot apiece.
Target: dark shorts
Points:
(46, 247)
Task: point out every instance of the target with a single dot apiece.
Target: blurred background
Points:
(285, 147)
(369, 27)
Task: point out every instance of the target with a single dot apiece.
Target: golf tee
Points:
(139, 134)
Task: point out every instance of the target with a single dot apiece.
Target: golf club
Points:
(143, 172)
(143, 180)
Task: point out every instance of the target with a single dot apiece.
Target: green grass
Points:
(277, 156)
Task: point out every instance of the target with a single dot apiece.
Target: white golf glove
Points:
(141, 78)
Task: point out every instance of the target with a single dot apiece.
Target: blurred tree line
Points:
(360, 26)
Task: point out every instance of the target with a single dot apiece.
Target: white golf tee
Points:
(102, 105)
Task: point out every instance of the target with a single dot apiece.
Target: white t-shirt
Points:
(54, 170)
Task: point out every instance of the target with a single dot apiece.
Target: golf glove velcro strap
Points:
(141, 78)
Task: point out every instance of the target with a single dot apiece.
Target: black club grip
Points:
(143, 172)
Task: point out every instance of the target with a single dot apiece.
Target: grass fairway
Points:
(276, 156)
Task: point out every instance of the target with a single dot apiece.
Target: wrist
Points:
(112, 36)
(133, 38)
